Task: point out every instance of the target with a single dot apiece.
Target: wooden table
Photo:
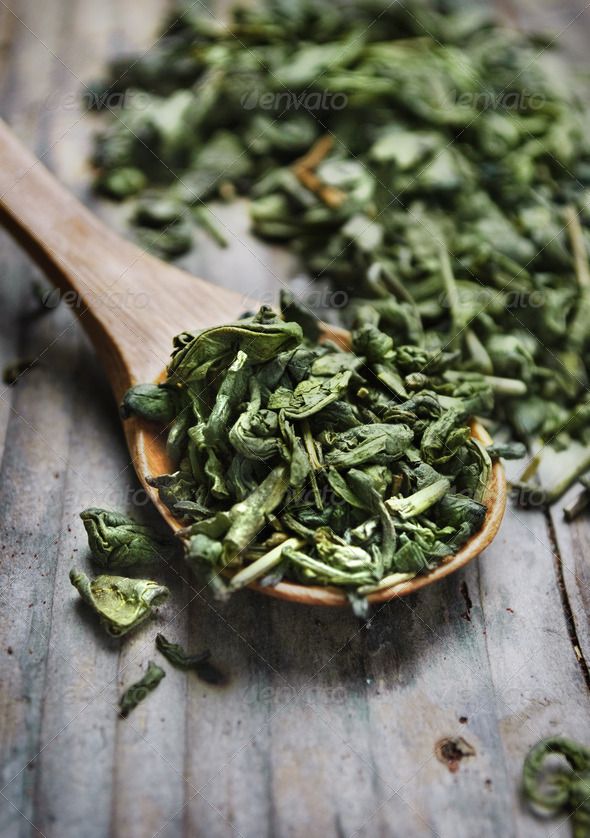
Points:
(326, 727)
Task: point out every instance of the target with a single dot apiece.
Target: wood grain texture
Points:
(324, 728)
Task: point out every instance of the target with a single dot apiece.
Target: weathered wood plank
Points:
(30, 463)
(81, 666)
(540, 688)
(89, 669)
(573, 545)
(427, 667)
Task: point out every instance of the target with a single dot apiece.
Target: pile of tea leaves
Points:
(312, 463)
(415, 153)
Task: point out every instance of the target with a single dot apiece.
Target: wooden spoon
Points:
(132, 305)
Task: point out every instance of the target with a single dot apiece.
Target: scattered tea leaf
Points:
(553, 788)
(177, 656)
(141, 689)
(121, 603)
(199, 662)
(118, 541)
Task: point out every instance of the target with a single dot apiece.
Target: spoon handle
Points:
(130, 303)
(60, 234)
(88, 262)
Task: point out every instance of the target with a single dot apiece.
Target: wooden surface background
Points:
(325, 727)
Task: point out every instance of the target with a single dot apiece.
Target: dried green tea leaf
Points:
(309, 396)
(507, 450)
(199, 662)
(248, 516)
(377, 443)
(556, 788)
(118, 541)
(121, 603)
(420, 501)
(141, 689)
(177, 656)
(260, 337)
(150, 401)
(262, 566)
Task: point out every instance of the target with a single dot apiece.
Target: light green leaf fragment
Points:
(121, 603)
(325, 573)
(249, 516)
(310, 396)
(420, 501)
(263, 565)
(387, 582)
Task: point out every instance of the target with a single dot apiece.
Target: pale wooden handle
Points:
(79, 254)
(52, 225)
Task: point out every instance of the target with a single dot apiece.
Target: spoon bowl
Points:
(147, 445)
(131, 305)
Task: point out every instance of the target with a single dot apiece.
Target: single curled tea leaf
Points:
(121, 603)
(262, 566)
(177, 656)
(421, 500)
(136, 693)
(118, 541)
(460, 512)
(199, 662)
(507, 450)
(150, 401)
(554, 787)
(309, 396)
(248, 516)
(376, 443)
(261, 338)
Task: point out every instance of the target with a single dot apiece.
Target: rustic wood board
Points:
(325, 727)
